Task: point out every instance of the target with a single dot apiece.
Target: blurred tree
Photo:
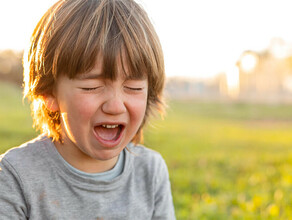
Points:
(11, 66)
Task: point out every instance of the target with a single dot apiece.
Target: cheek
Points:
(86, 107)
(80, 107)
(137, 110)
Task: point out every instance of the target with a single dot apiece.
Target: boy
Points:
(94, 72)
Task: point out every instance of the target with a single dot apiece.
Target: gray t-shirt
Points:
(36, 184)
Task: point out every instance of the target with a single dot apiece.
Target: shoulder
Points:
(22, 156)
(147, 159)
(144, 154)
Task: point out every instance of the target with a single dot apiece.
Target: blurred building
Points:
(11, 66)
(264, 76)
(186, 88)
(267, 75)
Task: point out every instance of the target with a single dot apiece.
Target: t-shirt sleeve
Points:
(12, 202)
(164, 208)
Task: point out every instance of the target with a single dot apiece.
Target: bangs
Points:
(109, 29)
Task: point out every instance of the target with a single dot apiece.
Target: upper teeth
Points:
(110, 126)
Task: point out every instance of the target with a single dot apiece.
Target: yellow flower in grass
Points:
(273, 210)
(257, 201)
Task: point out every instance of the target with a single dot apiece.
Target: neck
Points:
(81, 161)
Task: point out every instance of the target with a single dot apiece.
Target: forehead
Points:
(112, 68)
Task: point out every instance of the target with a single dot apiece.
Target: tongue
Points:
(108, 134)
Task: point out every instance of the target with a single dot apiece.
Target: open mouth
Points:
(109, 132)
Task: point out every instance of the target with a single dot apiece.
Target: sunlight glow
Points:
(194, 45)
(279, 48)
(232, 78)
(248, 62)
(288, 83)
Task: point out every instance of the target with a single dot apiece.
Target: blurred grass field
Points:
(15, 120)
(226, 161)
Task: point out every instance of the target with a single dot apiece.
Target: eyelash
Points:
(134, 88)
(131, 88)
(89, 89)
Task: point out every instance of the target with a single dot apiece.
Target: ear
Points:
(51, 103)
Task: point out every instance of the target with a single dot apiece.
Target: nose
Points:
(114, 105)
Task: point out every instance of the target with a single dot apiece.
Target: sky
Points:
(200, 38)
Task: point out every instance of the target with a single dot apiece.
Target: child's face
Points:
(99, 117)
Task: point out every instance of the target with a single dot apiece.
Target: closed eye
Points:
(134, 88)
(89, 89)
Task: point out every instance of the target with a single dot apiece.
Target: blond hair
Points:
(69, 37)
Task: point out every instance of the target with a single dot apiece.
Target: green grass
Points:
(226, 161)
(15, 120)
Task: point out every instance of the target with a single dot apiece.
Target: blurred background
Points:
(227, 134)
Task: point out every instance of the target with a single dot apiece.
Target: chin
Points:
(106, 156)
